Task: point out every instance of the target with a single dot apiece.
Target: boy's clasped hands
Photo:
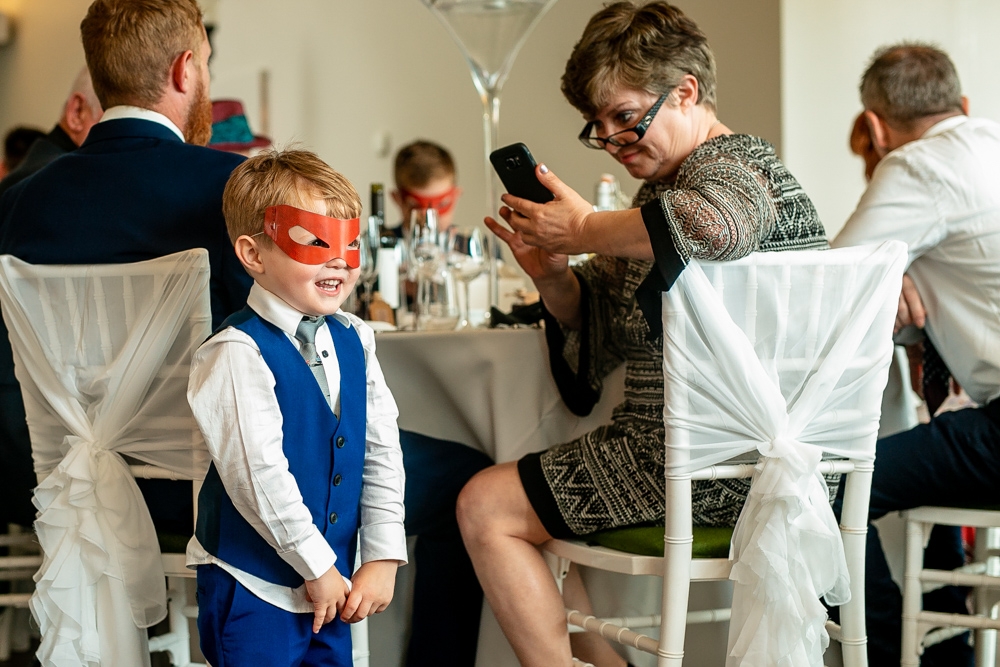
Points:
(370, 592)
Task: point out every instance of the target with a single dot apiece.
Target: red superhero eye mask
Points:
(442, 203)
(340, 236)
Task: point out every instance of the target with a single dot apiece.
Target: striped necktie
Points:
(306, 335)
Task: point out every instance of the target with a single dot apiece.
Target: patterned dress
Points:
(731, 196)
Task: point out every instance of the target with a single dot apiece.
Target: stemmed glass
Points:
(427, 259)
(489, 34)
(368, 276)
(467, 261)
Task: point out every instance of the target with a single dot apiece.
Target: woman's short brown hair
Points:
(130, 45)
(646, 47)
(291, 177)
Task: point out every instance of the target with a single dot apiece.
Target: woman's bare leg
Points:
(587, 646)
(501, 531)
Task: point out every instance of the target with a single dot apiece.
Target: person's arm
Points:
(231, 392)
(569, 225)
(382, 535)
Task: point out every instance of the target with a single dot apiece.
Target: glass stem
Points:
(491, 132)
(466, 309)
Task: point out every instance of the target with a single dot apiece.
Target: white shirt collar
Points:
(126, 111)
(944, 125)
(276, 310)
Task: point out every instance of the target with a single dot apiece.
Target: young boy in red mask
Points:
(302, 432)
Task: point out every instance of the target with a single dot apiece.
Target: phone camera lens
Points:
(513, 162)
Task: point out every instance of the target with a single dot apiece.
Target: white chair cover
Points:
(809, 386)
(102, 354)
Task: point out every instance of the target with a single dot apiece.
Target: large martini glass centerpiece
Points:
(489, 33)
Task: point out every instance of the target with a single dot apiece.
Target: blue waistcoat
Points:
(326, 456)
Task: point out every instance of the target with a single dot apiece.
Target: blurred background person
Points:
(81, 112)
(16, 144)
(425, 178)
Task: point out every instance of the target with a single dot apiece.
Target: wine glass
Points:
(368, 275)
(426, 259)
(467, 261)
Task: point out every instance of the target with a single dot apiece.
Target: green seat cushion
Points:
(648, 541)
(171, 543)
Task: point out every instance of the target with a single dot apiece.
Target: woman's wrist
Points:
(555, 283)
(561, 296)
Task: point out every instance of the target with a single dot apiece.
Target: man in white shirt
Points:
(935, 187)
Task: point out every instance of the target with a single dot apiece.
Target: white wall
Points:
(825, 48)
(38, 66)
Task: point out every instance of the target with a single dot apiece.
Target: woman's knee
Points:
(494, 503)
(477, 501)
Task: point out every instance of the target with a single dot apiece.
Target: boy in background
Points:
(425, 178)
(302, 432)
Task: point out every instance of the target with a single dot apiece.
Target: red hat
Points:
(230, 129)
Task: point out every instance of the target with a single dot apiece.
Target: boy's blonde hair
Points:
(292, 177)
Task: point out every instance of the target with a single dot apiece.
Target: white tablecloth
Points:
(488, 389)
(492, 390)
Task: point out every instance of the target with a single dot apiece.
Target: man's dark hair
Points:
(909, 81)
(16, 145)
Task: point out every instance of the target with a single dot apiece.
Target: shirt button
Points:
(325, 354)
(333, 517)
(341, 440)
(337, 479)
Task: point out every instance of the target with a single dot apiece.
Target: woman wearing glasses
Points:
(644, 80)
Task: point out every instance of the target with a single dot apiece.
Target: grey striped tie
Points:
(306, 335)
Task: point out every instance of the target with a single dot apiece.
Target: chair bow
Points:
(91, 520)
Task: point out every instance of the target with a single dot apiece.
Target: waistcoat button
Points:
(337, 479)
(341, 440)
(333, 517)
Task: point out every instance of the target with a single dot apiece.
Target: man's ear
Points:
(965, 105)
(686, 92)
(397, 197)
(74, 112)
(182, 72)
(879, 132)
(248, 253)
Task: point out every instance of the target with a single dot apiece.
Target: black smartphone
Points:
(516, 169)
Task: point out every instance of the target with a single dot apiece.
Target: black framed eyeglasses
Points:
(633, 135)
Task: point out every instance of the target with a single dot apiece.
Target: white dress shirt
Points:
(231, 392)
(126, 111)
(941, 195)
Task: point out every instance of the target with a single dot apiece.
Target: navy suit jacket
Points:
(133, 191)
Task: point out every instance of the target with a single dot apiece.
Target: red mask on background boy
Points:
(442, 203)
(339, 235)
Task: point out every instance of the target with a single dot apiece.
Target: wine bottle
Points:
(376, 217)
